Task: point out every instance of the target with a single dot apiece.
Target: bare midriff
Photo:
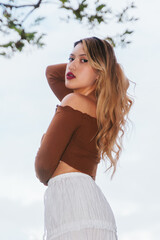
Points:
(64, 168)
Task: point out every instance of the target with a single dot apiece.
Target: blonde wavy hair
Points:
(113, 102)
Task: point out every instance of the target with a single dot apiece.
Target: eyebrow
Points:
(79, 54)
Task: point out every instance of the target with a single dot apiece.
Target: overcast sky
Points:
(27, 106)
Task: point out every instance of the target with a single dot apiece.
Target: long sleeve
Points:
(56, 139)
(56, 79)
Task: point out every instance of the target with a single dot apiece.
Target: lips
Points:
(70, 75)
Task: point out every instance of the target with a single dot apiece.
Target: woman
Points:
(88, 125)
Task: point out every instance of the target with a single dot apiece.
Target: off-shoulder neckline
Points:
(69, 107)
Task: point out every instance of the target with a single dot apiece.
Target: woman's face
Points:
(79, 75)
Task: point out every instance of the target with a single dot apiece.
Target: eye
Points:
(70, 59)
(84, 60)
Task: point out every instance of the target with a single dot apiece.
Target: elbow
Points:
(49, 72)
(41, 172)
(44, 163)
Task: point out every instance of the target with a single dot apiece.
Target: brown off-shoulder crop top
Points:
(70, 136)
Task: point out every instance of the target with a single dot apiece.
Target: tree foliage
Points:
(14, 17)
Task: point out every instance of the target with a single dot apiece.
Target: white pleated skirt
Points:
(76, 209)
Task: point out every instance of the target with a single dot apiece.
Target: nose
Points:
(72, 65)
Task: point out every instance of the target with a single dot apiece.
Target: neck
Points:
(89, 94)
(92, 96)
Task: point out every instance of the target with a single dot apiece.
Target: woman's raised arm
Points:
(56, 79)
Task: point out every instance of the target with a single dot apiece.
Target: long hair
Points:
(113, 103)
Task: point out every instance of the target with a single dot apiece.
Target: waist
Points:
(66, 175)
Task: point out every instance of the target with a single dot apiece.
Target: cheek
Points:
(88, 71)
(92, 75)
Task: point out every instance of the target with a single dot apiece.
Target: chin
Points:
(68, 86)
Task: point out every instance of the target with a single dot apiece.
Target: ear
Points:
(97, 74)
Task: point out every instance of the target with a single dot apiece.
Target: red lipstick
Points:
(70, 75)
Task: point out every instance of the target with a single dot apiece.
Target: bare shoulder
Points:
(79, 102)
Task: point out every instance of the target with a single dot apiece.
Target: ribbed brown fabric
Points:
(70, 137)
